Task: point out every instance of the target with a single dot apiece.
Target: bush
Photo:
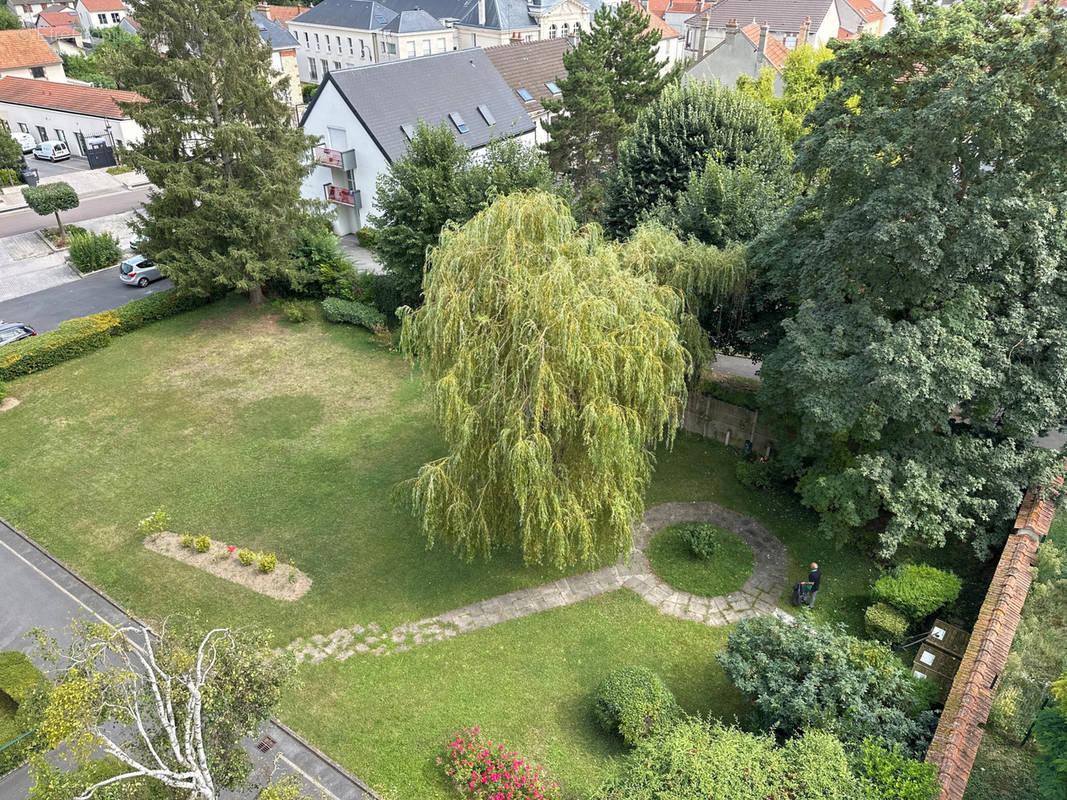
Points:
(700, 538)
(202, 543)
(885, 623)
(367, 237)
(891, 775)
(386, 295)
(307, 91)
(155, 522)
(188, 540)
(754, 474)
(267, 562)
(633, 702)
(27, 687)
(93, 251)
(246, 556)
(18, 676)
(918, 590)
(71, 339)
(352, 312)
(8, 177)
(481, 769)
(119, 169)
(294, 312)
(153, 307)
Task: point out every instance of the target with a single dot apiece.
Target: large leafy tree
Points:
(803, 86)
(10, 151)
(914, 301)
(555, 371)
(169, 711)
(435, 183)
(805, 677)
(612, 74)
(671, 145)
(9, 21)
(1051, 733)
(219, 145)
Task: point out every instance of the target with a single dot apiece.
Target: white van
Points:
(52, 150)
(26, 142)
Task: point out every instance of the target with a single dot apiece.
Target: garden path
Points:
(758, 596)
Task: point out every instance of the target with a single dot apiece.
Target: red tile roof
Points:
(58, 32)
(103, 5)
(656, 23)
(661, 7)
(283, 14)
(54, 18)
(25, 48)
(776, 51)
(867, 10)
(87, 100)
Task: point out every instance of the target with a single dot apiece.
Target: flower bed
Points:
(285, 582)
(487, 771)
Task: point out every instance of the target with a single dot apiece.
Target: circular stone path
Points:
(758, 597)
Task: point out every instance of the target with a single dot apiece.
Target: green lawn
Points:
(673, 561)
(291, 438)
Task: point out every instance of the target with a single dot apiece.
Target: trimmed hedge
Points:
(82, 335)
(352, 312)
(917, 590)
(633, 702)
(885, 623)
(26, 686)
(18, 676)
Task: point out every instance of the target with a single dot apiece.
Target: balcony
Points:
(343, 196)
(341, 159)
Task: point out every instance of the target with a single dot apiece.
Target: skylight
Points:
(457, 120)
(553, 88)
(487, 115)
(525, 95)
(409, 131)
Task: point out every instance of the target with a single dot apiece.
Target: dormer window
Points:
(457, 120)
(487, 115)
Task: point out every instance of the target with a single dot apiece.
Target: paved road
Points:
(103, 291)
(12, 222)
(37, 591)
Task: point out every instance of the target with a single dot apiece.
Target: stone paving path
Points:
(758, 596)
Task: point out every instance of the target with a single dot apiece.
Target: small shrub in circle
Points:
(246, 556)
(482, 769)
(267, 562)
(187, 540)
(202, 543)
(700, 538)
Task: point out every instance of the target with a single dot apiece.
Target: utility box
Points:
(940, 655)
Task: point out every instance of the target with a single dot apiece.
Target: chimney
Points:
(481, 12)
(805, 26)
(764, 30)
(263, 8)
(731, 31)
(704, 35)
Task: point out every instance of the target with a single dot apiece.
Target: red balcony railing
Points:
(330, 158)
(338, 194)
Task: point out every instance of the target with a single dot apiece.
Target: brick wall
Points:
(959, 731)
(725, 422)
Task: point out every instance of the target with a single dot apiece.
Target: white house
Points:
(365, 117)
(100, 14)
(25, 54)
(27, 10)
(69, 113)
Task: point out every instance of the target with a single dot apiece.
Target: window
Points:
(325, 67)
(409, 131)
(328, 48)
(42, 134)
(115, 17)
(313, 71)
(411, 49)
(551, 86)
(351, 48)
(457, 120)
(553, 31)
(525, 95)
(336, 64)
(102, 19)
(487, 115)
(61, 136)
(338, 44)
(307, 42)
(390, 48)
(426, 47)
(317, 45)
(362, 49)
(37, 72)
(24, 127)
(442, 45)
(383, 46)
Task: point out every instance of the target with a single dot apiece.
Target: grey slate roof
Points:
(414, 21)
(428, 89)
(364, 15)
(783, 15)
(272, 33)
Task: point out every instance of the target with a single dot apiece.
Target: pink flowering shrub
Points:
(487, 771)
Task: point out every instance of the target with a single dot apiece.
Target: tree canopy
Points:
(612, 74)
(437, 182)
(10, 151)
(913, 304)
(555, 370)
(9, 20)
(1051, 733)
(51, 198)
(803, 86)
(219, 146)
(670, 147)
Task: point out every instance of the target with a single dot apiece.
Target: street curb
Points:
(329, 761)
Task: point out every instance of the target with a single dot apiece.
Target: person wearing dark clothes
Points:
(814, 578)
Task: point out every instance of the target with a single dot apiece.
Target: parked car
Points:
(25, 140)
(52, 150)
(14, 331)
(138, 271)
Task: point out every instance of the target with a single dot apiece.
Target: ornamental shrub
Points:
(202, 543)
(246, 556)
(187, 540)
(700, 538)
(917, 590)
(754, 474)
(633, 702)
(367, 237)
(150, 308)
(481, 769)
(885, 623)
(93, 251)
(267, 562)
(294, 312)
(890, 775)
(71, 339)
(352, 312)
(156, 522)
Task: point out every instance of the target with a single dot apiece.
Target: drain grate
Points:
(265, 744)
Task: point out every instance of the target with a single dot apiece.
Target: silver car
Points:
(138, 271)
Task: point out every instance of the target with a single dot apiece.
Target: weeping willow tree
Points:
(555, 371)
(712, 282)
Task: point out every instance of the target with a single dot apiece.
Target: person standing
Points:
(815, 579)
